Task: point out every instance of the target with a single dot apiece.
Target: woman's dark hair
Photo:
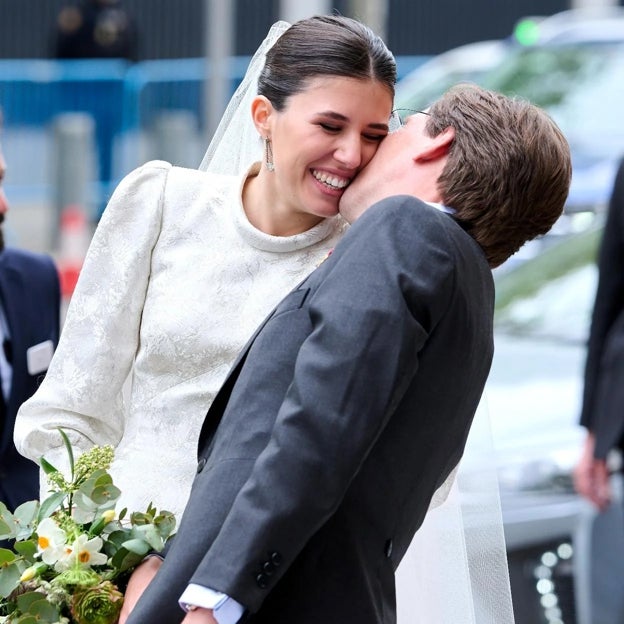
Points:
(324, 45)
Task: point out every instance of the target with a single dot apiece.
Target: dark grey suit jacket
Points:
(344, 413)
(603, 392)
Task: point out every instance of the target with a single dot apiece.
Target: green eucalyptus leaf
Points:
(28, 619)
(119, 537)
(43, 611)
(125, 560)
(27, 549)
(103, 494)
(83, 501)
(6, 556)
(7, 523)
(138, 518)
(70, 451)
(165, 523)
(137, 545)
(9, 578)
(25, 517)
(47, 467)
(51, 504)
(102, 477)
(25, 601)
(149, 534)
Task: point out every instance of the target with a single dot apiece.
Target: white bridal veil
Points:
(455, 571)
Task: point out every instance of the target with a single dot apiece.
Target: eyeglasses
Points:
(398, 116)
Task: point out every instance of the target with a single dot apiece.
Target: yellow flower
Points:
(109, 515)
(28, 574)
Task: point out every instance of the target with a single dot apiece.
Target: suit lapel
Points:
(217, 408)
(215, 412)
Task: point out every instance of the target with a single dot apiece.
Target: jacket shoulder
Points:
(27, 260)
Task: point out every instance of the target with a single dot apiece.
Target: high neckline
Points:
(267, 242)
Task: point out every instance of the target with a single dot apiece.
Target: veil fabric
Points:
(236, 145)
(455, 570)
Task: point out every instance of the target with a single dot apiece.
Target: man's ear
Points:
(261, 112)
(436, 147)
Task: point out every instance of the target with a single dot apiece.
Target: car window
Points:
(551, 297)
(579, 84)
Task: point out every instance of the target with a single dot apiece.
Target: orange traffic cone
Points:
(74, 239)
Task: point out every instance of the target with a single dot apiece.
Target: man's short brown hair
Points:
(508, 171)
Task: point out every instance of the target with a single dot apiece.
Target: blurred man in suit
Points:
(29, 330)
(603, 396)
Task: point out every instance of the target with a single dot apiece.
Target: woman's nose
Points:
(349, 152)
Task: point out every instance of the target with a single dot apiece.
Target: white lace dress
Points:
(175, 282)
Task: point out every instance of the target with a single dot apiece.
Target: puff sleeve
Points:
(83, 389)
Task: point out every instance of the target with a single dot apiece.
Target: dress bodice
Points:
(175, 282)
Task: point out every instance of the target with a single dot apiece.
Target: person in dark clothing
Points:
(603, 395)
(30, 301)
(95, 29)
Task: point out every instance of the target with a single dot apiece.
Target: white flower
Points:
(50, 541)
(85, 552)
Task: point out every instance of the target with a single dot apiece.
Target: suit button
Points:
(276, 558)
(262, 580)
(388, 548)
(200, 464)
(268, 567)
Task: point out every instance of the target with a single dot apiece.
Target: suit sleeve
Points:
(82, 391)
(54, 297)
(389, 282)
(609, 302)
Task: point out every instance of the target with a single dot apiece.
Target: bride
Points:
(185, 264)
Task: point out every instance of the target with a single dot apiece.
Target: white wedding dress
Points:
(175, 282)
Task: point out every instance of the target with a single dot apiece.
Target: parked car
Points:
(433, 77)
(559, 550)
(588, 23)
(574, 69)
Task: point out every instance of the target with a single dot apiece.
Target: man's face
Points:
(394, 170)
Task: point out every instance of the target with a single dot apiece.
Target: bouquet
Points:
(72, 554)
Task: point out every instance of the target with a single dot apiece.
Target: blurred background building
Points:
(174, 29)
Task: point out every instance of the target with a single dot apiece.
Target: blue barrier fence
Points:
(124, 101)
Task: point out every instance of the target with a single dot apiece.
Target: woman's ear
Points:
(261, 113)
(436, 147)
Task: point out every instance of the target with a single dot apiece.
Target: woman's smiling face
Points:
(323, 137)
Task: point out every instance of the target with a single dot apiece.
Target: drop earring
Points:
(268, 154)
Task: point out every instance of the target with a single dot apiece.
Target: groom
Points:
(351, 404)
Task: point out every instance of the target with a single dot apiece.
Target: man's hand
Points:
(200, 616)
(591, 477)
(139, 580)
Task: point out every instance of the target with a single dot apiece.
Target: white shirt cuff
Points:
(225, 609)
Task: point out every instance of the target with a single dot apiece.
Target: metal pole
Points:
(75, 164)
(294, 10)
(374, 13)
(219, 26)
